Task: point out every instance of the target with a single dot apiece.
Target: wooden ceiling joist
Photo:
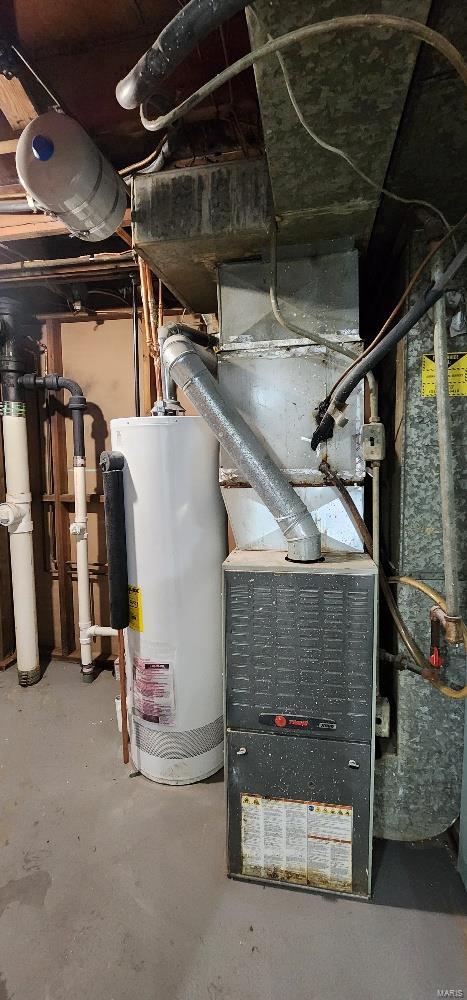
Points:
(8, 145)
(16, 103)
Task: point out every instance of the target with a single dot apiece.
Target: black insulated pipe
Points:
(179, 37)
(76, 403)
(111, 463)
(11, 361)
(401, 329)
(196, 336)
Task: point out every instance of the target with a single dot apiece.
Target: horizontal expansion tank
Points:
(176, 542)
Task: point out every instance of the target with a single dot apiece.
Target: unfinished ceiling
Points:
(83, 47)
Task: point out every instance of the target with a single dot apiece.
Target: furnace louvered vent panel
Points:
(303, 644)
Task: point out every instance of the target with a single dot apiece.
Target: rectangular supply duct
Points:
(300, 695)
(186, 222)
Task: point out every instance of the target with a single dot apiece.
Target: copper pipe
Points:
(144, 299)
(154, 338)
(160, 311)
(122, 676)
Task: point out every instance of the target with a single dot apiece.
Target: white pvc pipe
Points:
(79, 529)
(21, 548)
(105, 631)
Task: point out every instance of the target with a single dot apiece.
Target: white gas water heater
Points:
(176, 544)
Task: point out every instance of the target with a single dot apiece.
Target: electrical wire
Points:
(344, 156)
(298, 330)
(422, 666)
(397, 308)
(36, 76)
(420, 307)
(337, 24)
(134, 167)
(108, 291)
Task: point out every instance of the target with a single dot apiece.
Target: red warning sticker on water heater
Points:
(154, 691)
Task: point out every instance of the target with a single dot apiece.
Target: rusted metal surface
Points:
(186, 222)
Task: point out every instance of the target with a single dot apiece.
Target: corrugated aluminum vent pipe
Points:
(186, 366)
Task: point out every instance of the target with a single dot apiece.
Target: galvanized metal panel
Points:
(351, 89)
(276, 389)
(295, 769)
(318, 292)
(188, 221)
(301, 643)
(254, 527)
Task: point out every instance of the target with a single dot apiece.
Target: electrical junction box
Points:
(300, 710)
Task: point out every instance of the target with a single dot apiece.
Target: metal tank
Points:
(176, 543)
(66, 175)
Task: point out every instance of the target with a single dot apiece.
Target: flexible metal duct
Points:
(189, 371)
(179, 37)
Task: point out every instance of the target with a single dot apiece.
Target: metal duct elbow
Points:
(179, 37)
(186, 366)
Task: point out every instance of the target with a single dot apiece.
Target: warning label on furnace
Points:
(153, 691)
(135, 605)
(309, 843)
(457, 374)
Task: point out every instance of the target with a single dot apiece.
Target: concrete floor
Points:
(113, 888)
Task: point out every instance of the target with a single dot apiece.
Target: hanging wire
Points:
(36, 75)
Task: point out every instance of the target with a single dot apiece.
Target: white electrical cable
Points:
(336, 24)
(31, 69)
(344, 156)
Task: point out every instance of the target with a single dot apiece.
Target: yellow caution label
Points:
(457, 374)
(135, 603)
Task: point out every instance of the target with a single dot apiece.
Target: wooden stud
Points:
(62, 521)
(16, 103)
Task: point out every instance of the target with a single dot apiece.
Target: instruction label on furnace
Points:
(135, 605)
(153, 691)
(457, 374)
(309, 843)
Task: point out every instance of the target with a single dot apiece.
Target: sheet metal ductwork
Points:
(189, 371)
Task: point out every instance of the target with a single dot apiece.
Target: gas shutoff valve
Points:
(373, 442)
